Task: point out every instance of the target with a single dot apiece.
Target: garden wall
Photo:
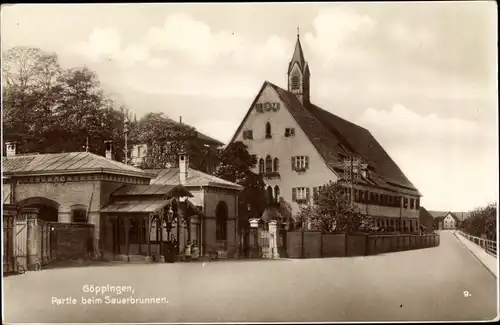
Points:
(314, 244)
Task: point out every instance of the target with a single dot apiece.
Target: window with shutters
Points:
(268, 130)
(300, 195)
(269, 164)
(412, 203)
(417, 206)
(276, 165)
(300, 163)
(405, 203)
(289, 132)
(247, 134)
(261, 166)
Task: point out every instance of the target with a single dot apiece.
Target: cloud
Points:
(102, 42)
(187, 41)
(451, 161)
(199, 44)
(333, 31)
(412, 126)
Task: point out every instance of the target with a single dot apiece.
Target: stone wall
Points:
(71, 240)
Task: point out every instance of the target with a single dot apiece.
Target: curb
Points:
(485, 266)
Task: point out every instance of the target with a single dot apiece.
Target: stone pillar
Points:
(254, 237)
(273, 230)
(32, 245)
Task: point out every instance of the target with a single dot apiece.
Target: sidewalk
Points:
(489, 261)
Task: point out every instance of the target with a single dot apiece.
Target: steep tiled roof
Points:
(425, 218)
(455, 217)
(459, 215)
(332, 135)
(72, 162)
(436, 214)
(205, 138)
(170, 176)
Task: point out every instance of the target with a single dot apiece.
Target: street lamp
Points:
(170, 219)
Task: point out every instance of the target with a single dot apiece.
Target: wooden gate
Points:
(26, 240)
(8, 243)
(265, 244)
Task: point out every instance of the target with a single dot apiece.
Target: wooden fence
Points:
(489, 246)
(314, 244)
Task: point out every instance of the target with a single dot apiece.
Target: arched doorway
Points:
(221, 214)
(48, 210)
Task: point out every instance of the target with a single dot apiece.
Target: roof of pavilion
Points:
(131, 198)
(195, 178)
(67, 163)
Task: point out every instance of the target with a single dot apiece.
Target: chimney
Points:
(110, 150)
(11, 149)
(183, 166)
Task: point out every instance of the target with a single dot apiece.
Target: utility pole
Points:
(87, 144)
(125, 148)
(352, 167)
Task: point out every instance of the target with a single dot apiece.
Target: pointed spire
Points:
(298, 54)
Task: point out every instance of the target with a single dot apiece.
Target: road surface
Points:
(420, 285)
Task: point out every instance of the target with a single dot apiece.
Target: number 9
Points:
(466, 294)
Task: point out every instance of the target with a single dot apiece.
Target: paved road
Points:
(425, 285)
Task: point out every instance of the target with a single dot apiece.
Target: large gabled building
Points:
(301, 146)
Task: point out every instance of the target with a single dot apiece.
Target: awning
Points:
(195, 208)
(136, 206)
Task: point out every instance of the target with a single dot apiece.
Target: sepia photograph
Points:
(272, 162)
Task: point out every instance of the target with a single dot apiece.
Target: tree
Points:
(332, 211)
(236, 165)
(482, 221)
(48, 109)
(165, 138)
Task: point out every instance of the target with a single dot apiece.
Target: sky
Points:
(422, 77)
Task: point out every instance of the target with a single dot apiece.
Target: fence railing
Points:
(489, 245)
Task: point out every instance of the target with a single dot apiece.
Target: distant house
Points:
(139, 151)
(448, 219)
(426, 219)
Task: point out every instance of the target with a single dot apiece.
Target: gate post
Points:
(254, 237)
(274, 238)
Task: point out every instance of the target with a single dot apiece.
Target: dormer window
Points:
(248, 134)
(295, 82)
(289, 132)
(268, 130)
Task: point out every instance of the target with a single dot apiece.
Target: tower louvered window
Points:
(295, 82)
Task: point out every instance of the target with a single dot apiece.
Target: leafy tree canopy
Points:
(50, 109)
(332, 211)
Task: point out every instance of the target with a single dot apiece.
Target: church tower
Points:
(298, 74)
